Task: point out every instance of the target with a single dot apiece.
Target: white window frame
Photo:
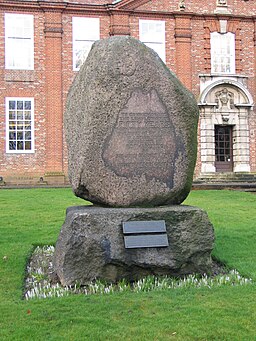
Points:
(155, 37)
(19, 41)
(22, 122)
(222, 54)
(85, 31)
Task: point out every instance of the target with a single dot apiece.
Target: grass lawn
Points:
(34, 217)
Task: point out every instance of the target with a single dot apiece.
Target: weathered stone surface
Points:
(131, 128)
(91, 244)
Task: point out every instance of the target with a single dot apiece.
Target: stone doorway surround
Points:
(224, 100)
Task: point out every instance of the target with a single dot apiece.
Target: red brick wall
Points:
(187, 54)
(15, 83)
(53, 87)
(235, 7)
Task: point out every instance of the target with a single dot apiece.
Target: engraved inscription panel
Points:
(144, 226)
(142, 141)
(141, 241)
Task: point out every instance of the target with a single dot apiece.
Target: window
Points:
(152, 34)
(19, 41)
(85, 32)
(223, 52)
(19, 125)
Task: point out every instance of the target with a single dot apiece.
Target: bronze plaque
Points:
(142, 141)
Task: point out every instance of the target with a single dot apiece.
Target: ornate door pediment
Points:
(224, 129)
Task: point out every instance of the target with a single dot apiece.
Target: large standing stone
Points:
(91, 244)
(131, 128)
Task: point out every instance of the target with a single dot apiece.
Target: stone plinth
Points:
(91, 244)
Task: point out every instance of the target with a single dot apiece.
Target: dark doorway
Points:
(223, 149)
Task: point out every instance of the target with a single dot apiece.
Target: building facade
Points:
(210, 46)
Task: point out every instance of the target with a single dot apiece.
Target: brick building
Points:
(211, 46)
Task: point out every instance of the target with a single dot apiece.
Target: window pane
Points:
(27, 115)
(27, 125)
(12, 136)
(86, 28)
(27, 145)
(27, 105)
(28, 135)
(20, 136)
(12, 125)
(152, 31)
(19, 105)
(19, 25)
(12, 104)
(20, 145)
(20, 115)
(19, 125)
(12, 145)
(20, 53)
(12, 115)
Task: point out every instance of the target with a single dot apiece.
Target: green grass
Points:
(34, 217)
(233, 215)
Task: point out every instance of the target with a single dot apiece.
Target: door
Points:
(223, 149)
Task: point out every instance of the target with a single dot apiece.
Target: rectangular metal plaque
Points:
(145, 240)
(141, 234)
(150, 226)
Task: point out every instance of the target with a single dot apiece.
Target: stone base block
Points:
(91, 244)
